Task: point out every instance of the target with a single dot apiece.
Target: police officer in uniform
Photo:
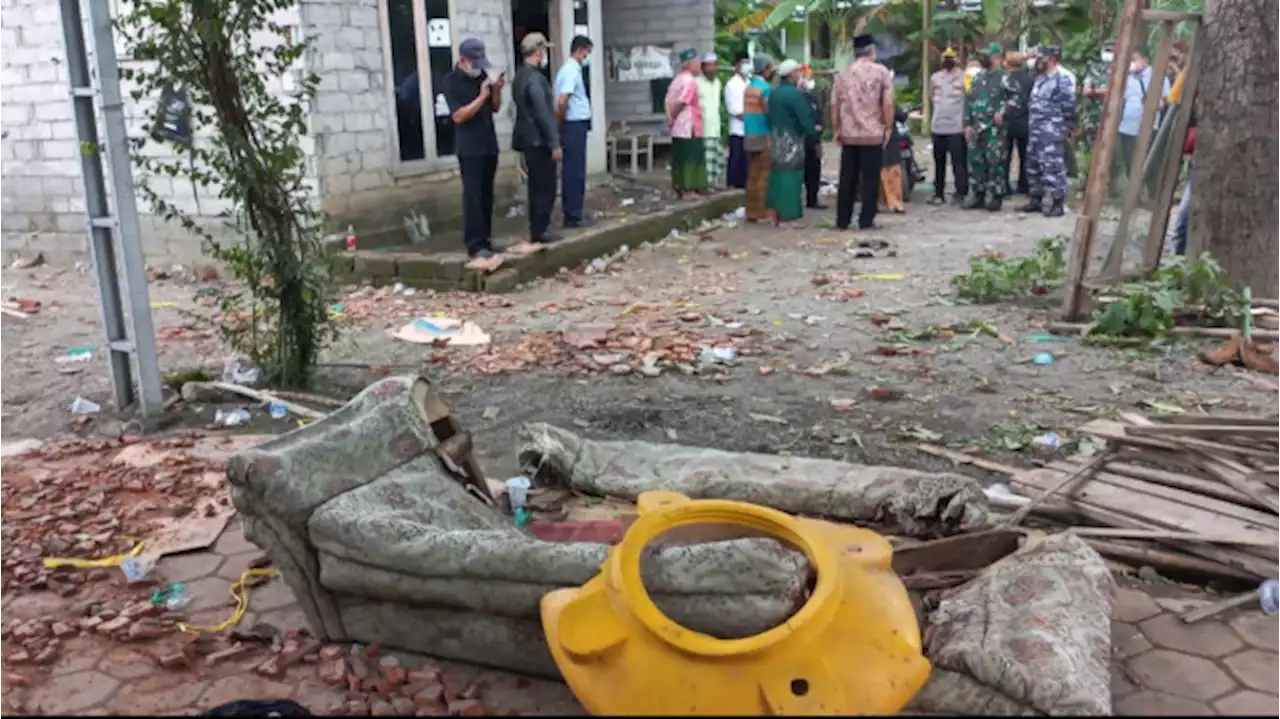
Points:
(1053, 118)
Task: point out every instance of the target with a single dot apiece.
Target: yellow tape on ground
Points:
(55, 562)
(241, 594)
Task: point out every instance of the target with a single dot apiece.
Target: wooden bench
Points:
(634, 146)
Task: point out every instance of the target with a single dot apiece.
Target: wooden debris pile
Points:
(1185, 493)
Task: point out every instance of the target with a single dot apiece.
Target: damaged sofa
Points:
(385, 538)
(384, 530)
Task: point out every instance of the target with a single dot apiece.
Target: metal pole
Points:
(925, 43)
(133, 342)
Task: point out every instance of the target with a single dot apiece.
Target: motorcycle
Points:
(911, 174)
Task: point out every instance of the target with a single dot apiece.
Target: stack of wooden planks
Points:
(1191, 493)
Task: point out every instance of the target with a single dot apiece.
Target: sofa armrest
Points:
(277, 485)
(382, 428)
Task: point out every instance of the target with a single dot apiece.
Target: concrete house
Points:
(380, 142)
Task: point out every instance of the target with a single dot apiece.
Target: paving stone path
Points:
(1224, 665)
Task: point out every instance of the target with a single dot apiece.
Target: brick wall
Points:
(675, 23)
(42, 192)
(41, 203)
(352, 142)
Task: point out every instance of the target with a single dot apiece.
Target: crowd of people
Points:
(1023, 102)
(980, 118)
(551, 129)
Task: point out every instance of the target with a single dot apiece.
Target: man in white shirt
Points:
(734, 103)
(1136, 86)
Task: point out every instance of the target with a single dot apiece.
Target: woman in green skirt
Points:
(684, 117)
(792, 124)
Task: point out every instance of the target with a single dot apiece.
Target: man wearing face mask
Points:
(947, 127)
(473, 96)
(989, 98)
(574, 110)
(735, 105)
(709, 92)
(1095, 92)
(1016, 120)
(536, 137)
(813, 145)
(1053, 118)
(1136, 86)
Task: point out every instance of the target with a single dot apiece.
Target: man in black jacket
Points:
(535, 136)
(812, 150)
(1016, 117)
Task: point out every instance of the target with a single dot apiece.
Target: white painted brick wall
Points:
(677, 23)
(351, 141)
(42, 192)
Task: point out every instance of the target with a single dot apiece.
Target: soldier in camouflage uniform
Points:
(1053, 118)
(989, 97)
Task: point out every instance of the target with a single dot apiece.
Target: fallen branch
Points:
(962, 458)
(311, 398)
(193, 389)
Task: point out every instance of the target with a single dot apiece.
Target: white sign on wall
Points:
(642, 62)
(438, 34)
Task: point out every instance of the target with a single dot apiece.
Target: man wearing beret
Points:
(989, 97)
(1053, 118)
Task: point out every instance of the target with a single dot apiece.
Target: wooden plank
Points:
(1256, 518)
(1146, 128)
(1237, 477)
(1173, 163)
(1236, 419)
(1121, 533)
(1075, 328)
(1158, 430)
(1207, 487)
(1078, 260)
(1117, 432)
(1165, 559)
(1219, 607)
(1128, 28)
(963, 552)
(1236, 559)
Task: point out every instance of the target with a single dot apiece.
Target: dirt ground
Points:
(806, 316)
(833, 356)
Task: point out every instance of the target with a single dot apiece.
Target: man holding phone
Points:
(473, 96)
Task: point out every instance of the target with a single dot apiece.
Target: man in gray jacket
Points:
(535, 136)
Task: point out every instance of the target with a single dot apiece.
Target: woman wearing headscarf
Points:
(791, 126)
(684, 118)
(756, 139)
(891, 169)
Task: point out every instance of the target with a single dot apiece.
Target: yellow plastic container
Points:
(853, 648)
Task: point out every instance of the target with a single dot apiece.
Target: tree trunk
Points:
(1234, 185)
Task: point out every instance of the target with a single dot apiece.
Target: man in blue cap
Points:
(473, 96)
